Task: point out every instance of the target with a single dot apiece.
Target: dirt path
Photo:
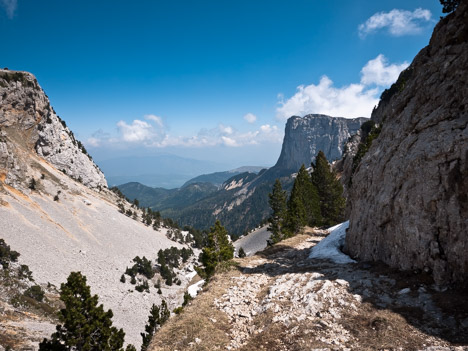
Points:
(281, 300)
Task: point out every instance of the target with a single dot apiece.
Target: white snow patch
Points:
(190, 275)
(329, 248)
(195, 288)
(235, 184)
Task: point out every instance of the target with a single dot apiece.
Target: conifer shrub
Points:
(7, 255)
(158, 316)
(84, 325)
(142, 266)
(218, 249)
(187, 299)
(142, 287)
(330, 191)
(303, 204)
(24, 272)
(35, 292)
(277, 220)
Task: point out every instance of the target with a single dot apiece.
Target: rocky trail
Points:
(280, 299)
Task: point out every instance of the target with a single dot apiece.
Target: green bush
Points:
(218, 249)
(84, 325)
(142, 266)
(7, 255)
(24, 272)
(142, 287)
(35, 292)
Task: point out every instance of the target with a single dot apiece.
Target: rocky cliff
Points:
(306, 136)
(28, 120)
(410, 192)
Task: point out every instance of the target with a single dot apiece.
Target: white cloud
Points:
(138, 131)
(398, 22)
(152, 135)
(350, 101)
(250, 117)
(379, 72)
(94, 142)
(10, 7)
(229, 141)
(226, 129)
(155, 119)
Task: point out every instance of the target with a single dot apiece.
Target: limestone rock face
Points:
(27, 118)
(306, 136)
(410, 192)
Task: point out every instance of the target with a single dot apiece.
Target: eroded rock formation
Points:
(29, 122)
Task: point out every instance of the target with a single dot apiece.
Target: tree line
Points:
(316, 199)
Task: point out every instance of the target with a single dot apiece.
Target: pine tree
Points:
(303, 204)
(218, 248)
(150, 328)
(241, 253)
(164, 313)
(85, 325)
(158, 316)
(330, 190)
(279, 210)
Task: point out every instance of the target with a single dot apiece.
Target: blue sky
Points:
(212, 80)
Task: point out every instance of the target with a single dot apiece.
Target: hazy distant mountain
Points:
(162, 199)
(165, 170)
(218, 178)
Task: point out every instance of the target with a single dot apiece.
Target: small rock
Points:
(404, 291)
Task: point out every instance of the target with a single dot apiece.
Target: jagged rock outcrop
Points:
(27, 118)
(306, 136)
(410, 192)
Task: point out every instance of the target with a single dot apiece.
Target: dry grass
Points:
(199, 320)
(375, 329)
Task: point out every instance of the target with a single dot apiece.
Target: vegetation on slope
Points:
(315, 200)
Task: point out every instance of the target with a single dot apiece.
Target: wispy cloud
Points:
(152, 133)
(397, 22)
(250, 117)
(10, 7)
(156, 119)
(354, 100)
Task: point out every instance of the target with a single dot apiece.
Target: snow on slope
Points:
(253, 242)
(330, 247)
